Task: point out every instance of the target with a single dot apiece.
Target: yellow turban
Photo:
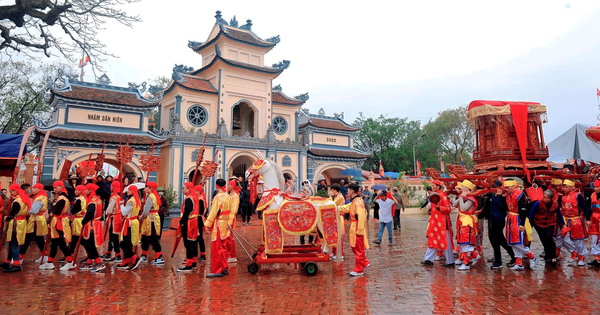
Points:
(510, 183)
(569, 182)
(468, 184)
(556, 181)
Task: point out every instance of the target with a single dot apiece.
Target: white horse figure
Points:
(274, 183)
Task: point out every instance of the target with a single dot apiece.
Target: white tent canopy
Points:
(574, 144)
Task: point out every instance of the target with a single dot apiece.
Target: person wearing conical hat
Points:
(151, 224)
(466, 227)
(575, 213)
(595, 227)
(439, 230)
(17, 227)
(37, 227)
(517, 225)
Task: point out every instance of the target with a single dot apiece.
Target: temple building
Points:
(229, 103)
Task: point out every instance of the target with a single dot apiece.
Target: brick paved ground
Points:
(394, 284)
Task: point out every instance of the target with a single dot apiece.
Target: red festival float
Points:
(509, 141)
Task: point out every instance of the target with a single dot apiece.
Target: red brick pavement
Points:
(394, 284)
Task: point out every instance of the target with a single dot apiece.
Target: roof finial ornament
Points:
(103, 79)
(282, 65)
(321, 112)
(247, 26)
(302, 97)
(277, 88)
(233, 22)
(220, 19)
(274, 39)
(193, 43)
(180, 69)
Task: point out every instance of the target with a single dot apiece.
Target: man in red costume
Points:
(466, 227)
(115, 221)
(439, 230)
(93, 234)
(595, 226)
(60, 229)
(36, 224)
(151, 224)
(130, 234)
(217, 222)
(574, 212)
(358, 229)
(189, 226)
(17, 227)
(516, 225)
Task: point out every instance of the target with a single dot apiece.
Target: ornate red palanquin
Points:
(497, 145)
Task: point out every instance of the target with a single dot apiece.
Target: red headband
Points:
(24, 198)
(59, 183)
(38, 186)
(233, 183)
(41, 188)
(153, 186)
(596, 183)
(80, 188)
(192, 193)
(200, 191)
(136, 196)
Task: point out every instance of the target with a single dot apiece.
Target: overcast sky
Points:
(400, 58)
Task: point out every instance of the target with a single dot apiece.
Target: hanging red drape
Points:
(519, 117)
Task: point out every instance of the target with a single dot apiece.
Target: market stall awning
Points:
(9, 153)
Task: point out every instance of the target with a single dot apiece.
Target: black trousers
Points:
(162, 225)
(397, 219)
(113, 240)
(126, 245)
(191, 249)
(73, 244)
(376, 211)
(547, 238)
(497, 239)
(90, 246)
(29, 237)
(303, 239)
(246, 213)
(59, 242)
(152, 239)
(200, 238)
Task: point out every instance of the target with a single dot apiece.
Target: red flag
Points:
(581, 163)
(381, 170)
(597, 91)
(418, 168)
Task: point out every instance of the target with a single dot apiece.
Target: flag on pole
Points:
(442, 163)
(83, 62)
(598, 92)
(418, 168)
(461, 160)
(381, 170)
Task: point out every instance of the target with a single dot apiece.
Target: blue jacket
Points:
(497, 207)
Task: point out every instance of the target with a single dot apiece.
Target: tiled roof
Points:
(197, 84)
(238, 64)
(281, 98)
(80, 135)
(328, 124)
(101, 95)
(236, 35)
(337, 153)
(247, 37)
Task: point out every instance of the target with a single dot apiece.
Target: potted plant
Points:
(173, 207)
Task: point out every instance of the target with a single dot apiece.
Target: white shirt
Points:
(385, 210)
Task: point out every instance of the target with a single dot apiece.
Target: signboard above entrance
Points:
(101, 118)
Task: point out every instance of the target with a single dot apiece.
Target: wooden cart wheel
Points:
(253, 268)
(311, 268)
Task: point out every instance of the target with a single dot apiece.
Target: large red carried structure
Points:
(509, 141)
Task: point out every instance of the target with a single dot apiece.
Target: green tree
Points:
(389, 139)
(450, 134)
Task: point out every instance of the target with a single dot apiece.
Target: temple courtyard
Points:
(395, 283)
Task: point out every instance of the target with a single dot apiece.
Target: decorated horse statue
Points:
(297, 214)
